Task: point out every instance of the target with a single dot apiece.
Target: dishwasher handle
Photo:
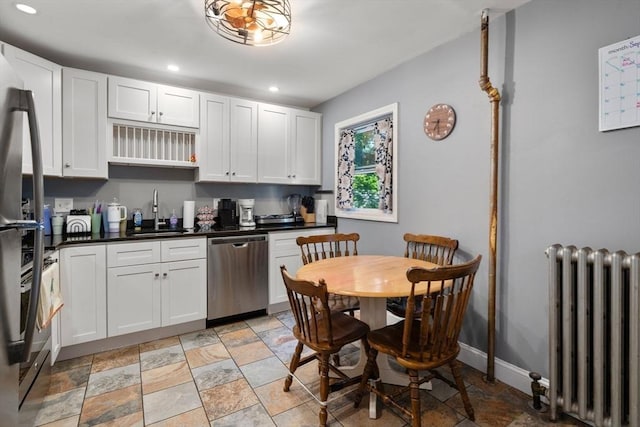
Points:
(238, 241)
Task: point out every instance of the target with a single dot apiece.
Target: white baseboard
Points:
(509, 374)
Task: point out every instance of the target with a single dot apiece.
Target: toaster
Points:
(78, 224)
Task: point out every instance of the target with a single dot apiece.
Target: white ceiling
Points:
(334, 45)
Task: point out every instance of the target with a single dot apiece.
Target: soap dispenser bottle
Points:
(173, 221)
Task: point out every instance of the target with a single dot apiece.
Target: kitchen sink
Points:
(150, 232)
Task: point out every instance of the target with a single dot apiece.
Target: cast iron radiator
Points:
(594, 311)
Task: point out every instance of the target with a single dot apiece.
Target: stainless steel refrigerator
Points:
(16, 106)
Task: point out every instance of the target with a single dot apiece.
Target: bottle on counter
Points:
(137, 218)
(173, 220)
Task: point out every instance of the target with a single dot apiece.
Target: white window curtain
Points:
(346, 169)
(383, 139)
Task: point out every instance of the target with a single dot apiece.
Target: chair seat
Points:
(345, 330)
(388, 340)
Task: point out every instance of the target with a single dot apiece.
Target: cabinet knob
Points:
(153, 112)
(234, 174)
(293, 176)
(157, 274)
(288, 176)
(164, 274)
(160, 113)
(227, 173)
(67, 165)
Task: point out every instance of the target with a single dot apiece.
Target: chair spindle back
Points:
(315, 248)
(436, 249)
(310, 307)
(448, 292)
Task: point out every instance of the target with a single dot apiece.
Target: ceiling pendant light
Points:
(250, 22)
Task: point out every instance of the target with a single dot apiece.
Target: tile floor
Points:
(232, 375)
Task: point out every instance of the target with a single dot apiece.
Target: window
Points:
(366, 166)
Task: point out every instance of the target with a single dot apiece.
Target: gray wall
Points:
(133, 187)
(562, 181)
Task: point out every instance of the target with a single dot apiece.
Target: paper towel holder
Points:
(188, 214)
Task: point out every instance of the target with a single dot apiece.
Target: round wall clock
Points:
(439, 121)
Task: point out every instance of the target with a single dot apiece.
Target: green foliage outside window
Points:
(365, 183)
(365, 191)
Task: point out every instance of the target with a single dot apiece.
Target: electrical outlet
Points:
(62, 205)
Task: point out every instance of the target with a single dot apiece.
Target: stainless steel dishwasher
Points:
(237, 275)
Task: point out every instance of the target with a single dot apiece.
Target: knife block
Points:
(308, 217)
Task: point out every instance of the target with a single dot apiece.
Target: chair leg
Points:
(324, 387)
(415, 399)
(457, 375)
(336, 359)
(368, 371)
(293, 366)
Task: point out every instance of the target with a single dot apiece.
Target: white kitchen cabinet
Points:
(84, 124)
(306, 139)
(43, 78)
(153, 103)
(283, 250)
(133, 298)
(229, 141)
(214, 157)
(155, 283)
(288, 145)
(184, 291)
(243, 140)
(83, 281)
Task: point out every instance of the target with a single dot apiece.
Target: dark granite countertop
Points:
(54, 242)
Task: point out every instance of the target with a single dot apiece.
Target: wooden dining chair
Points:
(323, 246)
(424, 344)
(315, 248)
(436, 249)
(322, 330)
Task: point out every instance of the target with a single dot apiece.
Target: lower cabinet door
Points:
(184, 291)
(83, 282)
(133, 298)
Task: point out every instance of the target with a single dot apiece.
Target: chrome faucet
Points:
(154, 209)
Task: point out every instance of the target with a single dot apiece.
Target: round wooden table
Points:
(372, 278)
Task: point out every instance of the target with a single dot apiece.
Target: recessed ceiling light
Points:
(26, 9)
(274, 89)
(173, 67)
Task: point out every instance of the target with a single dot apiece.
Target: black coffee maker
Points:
(227, 214)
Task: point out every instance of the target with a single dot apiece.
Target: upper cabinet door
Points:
(178, 107)
(274, 144)
(306, 150)
(84, 124)
(149, 102)
(243, 138)
(214, 155)
(43, 78)
(132, 99)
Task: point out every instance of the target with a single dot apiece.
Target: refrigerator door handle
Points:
(19, 351)
(21, 225)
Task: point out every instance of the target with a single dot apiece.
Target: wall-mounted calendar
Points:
(620, 84)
